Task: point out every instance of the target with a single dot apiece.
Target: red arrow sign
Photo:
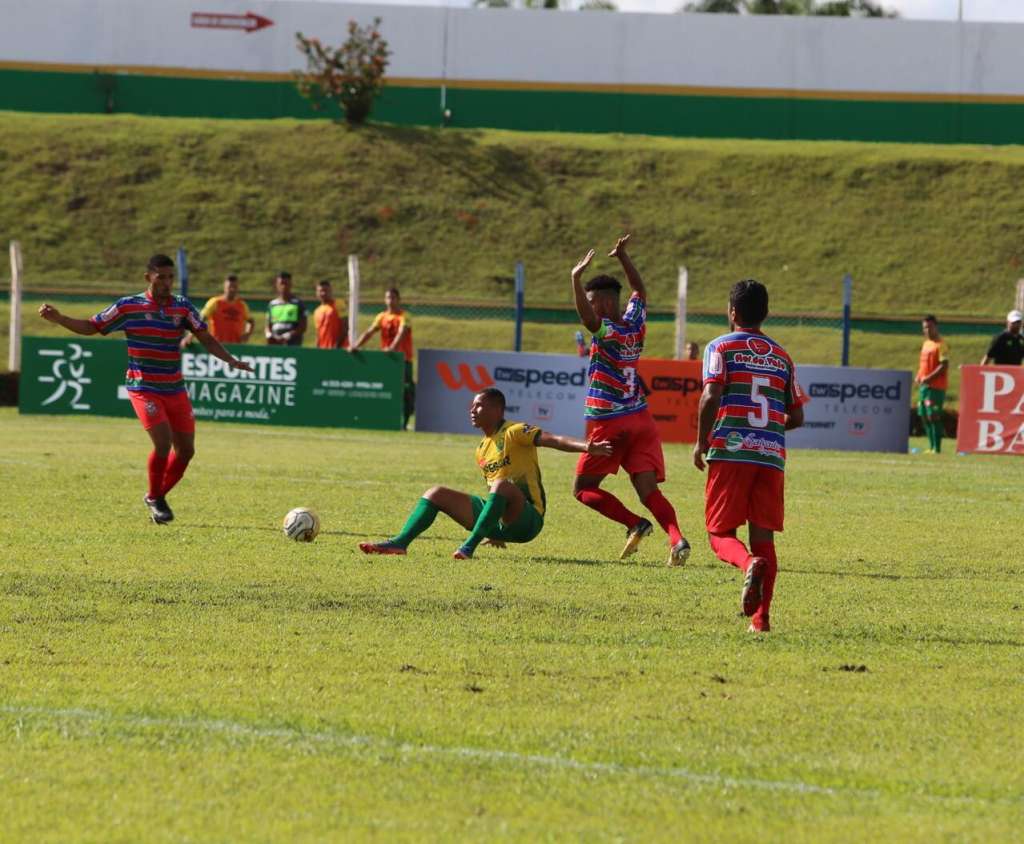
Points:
(249, 22)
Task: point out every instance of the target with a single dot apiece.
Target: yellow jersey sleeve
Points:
(245, 310)
(943, 351)
(378, 319)
(209, 308)
(523, 434)
(404, 321)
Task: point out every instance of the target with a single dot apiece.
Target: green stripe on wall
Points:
(575, 111)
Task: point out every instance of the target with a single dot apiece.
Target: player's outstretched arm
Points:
(632, 274)
(546, 440)
(78, 326)
(366, 335)
(213, 346)
(710, 400)
(584, 309)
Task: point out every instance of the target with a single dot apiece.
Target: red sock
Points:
(175, 469)
(729, 549)
(766, 550)
(665, 513)
(156, 465)
(608, 506)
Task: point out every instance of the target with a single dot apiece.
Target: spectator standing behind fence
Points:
(227, 315)
(933, 378)
(286, 315)
(395, 336)
(1007, 349)
(692, 351)
(331, 324)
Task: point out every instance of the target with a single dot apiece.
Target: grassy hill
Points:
(447, 213)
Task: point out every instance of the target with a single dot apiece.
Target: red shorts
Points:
(154, 408)
(738, 493)
(637, 446)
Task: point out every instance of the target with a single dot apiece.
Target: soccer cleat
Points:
(679, 554)
(641, 530)
(159, 512)
(385, 547)
(463, 553)
(765, 627)
(751, 596)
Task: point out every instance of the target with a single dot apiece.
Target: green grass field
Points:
(211, 681)
(449, 212)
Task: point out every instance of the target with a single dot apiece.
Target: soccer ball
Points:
(301, 524)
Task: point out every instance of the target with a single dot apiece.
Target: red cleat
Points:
(751, 596)
(386, 547)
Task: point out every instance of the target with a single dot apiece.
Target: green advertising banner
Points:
(290, 385)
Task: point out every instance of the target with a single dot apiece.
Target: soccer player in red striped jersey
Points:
(154, 323)
(616, 407)
(750, 399)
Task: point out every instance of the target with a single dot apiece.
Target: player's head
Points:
(603, 294)
(160, 276)
(323, 291)
(283, 284)
(1013, 321)
(487, 409)
(930, 327)
(230, 286)
(692, 351)
(392, 298)
(748, 303)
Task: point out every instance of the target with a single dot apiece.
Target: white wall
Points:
(703, 51)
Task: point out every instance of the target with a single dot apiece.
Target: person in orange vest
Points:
(331, 324)
(227, 315)
(933, 379)
(395, 336)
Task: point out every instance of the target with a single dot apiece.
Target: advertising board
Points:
(991, 410)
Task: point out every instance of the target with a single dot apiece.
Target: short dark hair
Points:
(323, 283)
(603, 283)
(493, 394)
(231, 277)
(749, 298)
(283, 274)
(158, 262)
(930, 318)
(393, 290)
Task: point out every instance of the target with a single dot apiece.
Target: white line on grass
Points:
(341, 740)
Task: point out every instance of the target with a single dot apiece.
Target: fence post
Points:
(520, 287)
(681, 314)
(183, 271)
(14, 351)
(847, 303)
(1019, 305)
(353, 300)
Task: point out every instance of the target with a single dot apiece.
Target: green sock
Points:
(487, 521)
(420, 519)
(937, 426)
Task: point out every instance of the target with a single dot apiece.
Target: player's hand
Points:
(699, 451)
(620, 247)
(49, 313)
(494, 543)
(604, 448)
(241, 364)
(582, 264)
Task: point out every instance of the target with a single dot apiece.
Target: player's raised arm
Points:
(632, 275)
(591, 321)
(84, 327)
(213, 346)
(710, 400)
(546, 440)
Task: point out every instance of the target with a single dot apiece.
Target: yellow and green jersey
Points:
(510, 453)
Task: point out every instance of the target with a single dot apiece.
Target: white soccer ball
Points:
(301, 524)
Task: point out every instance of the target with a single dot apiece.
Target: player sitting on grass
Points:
(507, 456)
(616, 408)
(750, 399)
(154, 323)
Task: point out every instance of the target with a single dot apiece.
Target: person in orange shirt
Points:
(331, 324)
(227, 315)
(395, 336)
(933, 379)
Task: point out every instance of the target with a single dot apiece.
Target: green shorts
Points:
(528, 526)
(929, 402)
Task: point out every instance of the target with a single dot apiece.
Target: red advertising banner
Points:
(991, 410)
(673, 393)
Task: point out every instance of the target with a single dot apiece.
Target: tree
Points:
(833, 8)
(598, 6)
(731, 7)
(351, 75)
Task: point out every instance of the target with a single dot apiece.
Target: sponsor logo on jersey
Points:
(759, 346)
(734, 442)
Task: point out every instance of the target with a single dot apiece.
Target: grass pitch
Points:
(212, 681)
